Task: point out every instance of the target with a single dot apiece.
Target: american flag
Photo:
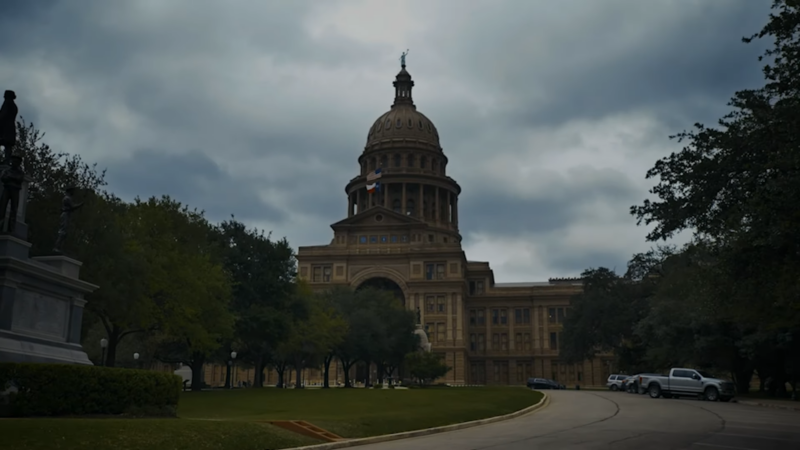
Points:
(373, 184)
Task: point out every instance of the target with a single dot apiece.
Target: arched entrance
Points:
(384, 284)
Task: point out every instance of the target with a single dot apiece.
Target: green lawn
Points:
(229, 419)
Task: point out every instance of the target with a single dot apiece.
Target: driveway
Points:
(594, 420)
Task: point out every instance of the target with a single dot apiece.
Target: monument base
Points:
(41, 306)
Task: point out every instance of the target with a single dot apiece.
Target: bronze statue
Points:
(12, 179)
(403, 58)
(67, 208)
(8, 124)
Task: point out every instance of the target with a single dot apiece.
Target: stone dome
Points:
(403, 121)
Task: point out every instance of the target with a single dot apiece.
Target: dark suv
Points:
(542, 383)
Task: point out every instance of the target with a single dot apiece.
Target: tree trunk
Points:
(280, 368)
(113, 342)
(197, 371)
(298, 376)
(258, 377)
(346, 366)
(326, 364)
(227, 376)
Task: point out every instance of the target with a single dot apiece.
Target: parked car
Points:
(689, 382)
(634, 384)
(542, 383)
(615, 382)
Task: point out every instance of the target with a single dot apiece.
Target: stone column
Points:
(459, 320)
(448, 211)
(455, 212)
(349, 205)
(403, 201)
(438, 206)
(421, 201)
(358, 201)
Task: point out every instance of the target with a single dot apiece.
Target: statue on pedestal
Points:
(67, 208)
(12, 179)
(8, 125)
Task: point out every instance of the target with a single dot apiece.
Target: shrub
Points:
(70, 389)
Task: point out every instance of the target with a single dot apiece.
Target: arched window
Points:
(435, 164)
(396, 206)
(410, 161)
(410, 207)
(423, 162)
(384, 161)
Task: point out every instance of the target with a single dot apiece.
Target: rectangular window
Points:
(495, 317)
(553, 341)
(520, 373)
(481, 342)
(526, 339)
(440, 332)
(580, 376)
(481, 316)
(440, 306)
(503, 318)
(518, 341)
(316, 274)
(496, 341)
(393, 239)
(430, 304)
(471, 288)
(440, 272)
(503, 341)
(429, 329)
(479, 287)
(326, 274)
(560, 315)
(473, 342)
(434, 271)
(551, 315)
(373, 239)
(362, 239)
(526, 315)
(517, 316)
(384, 239)
(473, 317)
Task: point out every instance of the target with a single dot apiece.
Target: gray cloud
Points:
(261, 108)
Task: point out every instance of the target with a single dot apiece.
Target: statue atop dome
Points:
(403, 58)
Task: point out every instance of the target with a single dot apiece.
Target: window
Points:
(396, 206)
(553, 341)
(430, 304)
(473, 342)
(440, 332)
(423, 162)
(580, 376)
(496, 341)
(524, 371)
(499, 317)
(503, 341)
(501, 371)
(440, 304)
(393, 239)
(481, 317)
(362, 239)
(560, 315)
(384, 239)
(404, 239)
(473, 317)
(551, 315)
(397, 161)
(429, 328)
(475, 287)
(321, 274)
(373, 239)
(481, 342)
(434, 271)
(410, 161)
(522, 316)
(384, 161)
(526, 341)
(518, 341)
(430, 238)
(410, 207)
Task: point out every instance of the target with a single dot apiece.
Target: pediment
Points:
(376, 216)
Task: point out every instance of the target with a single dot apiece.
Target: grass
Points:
(231, 419)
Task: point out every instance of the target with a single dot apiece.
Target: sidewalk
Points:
(770, 403)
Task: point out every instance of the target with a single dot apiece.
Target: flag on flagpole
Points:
(373, 184)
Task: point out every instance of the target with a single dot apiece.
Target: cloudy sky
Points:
(550, 111)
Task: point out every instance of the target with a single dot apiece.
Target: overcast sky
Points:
(550, 111)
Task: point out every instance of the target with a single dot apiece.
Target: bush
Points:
(68, 389)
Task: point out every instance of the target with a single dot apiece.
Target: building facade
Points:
(404, 236)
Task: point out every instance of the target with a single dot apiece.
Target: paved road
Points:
(595, 420)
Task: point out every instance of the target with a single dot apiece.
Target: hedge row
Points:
(68, 389)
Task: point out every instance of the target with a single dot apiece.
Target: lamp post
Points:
(136, 360)
(104, 346)
(233, 367)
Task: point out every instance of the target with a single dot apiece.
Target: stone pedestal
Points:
(41, 302)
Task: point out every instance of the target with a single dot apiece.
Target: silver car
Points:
(615, 382)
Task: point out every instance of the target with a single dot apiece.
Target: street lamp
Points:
(136, 359)
(233, 367)
(103, 345)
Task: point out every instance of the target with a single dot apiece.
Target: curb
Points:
(769, 405)
(427, 431)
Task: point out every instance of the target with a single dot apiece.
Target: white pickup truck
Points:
(689, 382)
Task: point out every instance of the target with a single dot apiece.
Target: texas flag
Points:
(372, 181)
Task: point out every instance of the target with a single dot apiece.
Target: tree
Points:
(425, 367)
(186, 281)
(263, 273)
